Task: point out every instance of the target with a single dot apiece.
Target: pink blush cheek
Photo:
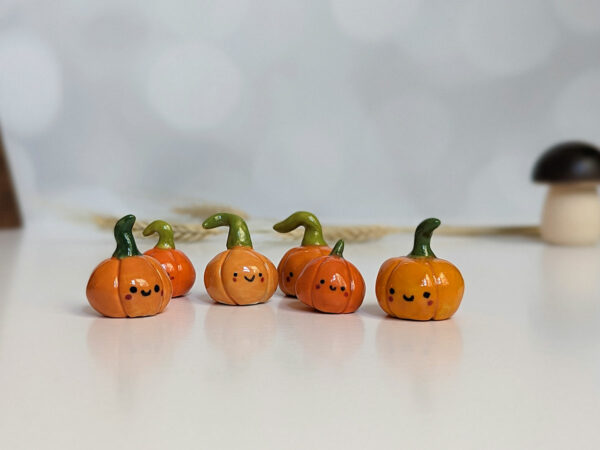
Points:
(345, 294)
(128, 297)
(318, 286)
(390, 298)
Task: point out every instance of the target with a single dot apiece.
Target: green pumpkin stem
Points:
(238, 230)
(422, 247)
(313, 233)
(165, 234)
(338, 249)
(124, 236)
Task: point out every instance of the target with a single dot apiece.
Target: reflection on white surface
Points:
(330, 340)
(129, 349)
(240, 332)
(568, 306)
(499, 375)
(419, 353)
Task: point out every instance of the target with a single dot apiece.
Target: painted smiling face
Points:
(416, 289)
(331, 284)
(240, 276)
(129, 284)
(420, 286)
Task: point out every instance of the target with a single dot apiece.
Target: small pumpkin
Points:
(177, 265)
(239, 275)
(331, 284)
(129, 284)
(420, 286)
(295, 260)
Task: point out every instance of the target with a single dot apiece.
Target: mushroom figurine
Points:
(571, 214)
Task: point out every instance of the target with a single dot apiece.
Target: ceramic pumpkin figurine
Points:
(175, 262)
(331, 284)
(420, 286)
(239, 275)
(129, 284)
(313, 245)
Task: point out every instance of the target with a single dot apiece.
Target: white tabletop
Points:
(516, 367)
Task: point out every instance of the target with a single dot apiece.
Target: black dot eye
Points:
(322, 281)
(156, 288)
(392, 291)
(260, 275)
(235, 274)
(343, 288)
(426, 294)
(133, 289)
(291, 274)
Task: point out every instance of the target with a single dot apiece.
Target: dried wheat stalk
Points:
(350, 233)
(362, 233)
(203, 211)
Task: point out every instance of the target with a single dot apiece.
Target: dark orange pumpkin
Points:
(129, 284)
(331, 284)
(295, 260)
(174, 261)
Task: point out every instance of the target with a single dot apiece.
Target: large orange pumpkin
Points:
(295, 260)
(331, 284)
(129, 284)
(420, 286)
(239, 275)
(174, 261)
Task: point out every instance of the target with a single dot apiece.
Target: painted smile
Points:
(146, 293)
(249, 279)
(408, 299)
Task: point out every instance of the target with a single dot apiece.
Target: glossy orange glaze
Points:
(109, 289)
(293, 263)
(240, 276)
(178, 266)
(331, 284)
(420, 288)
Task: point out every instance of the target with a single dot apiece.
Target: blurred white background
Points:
(359, 110)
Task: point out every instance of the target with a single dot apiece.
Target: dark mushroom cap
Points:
(568, 162)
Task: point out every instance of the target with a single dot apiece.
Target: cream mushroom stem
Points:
(571, 214)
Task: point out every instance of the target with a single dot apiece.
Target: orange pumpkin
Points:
(420, 286)
(129, 284)
(331, 284)
(177, 265)
(295, 260)
(239, 275)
